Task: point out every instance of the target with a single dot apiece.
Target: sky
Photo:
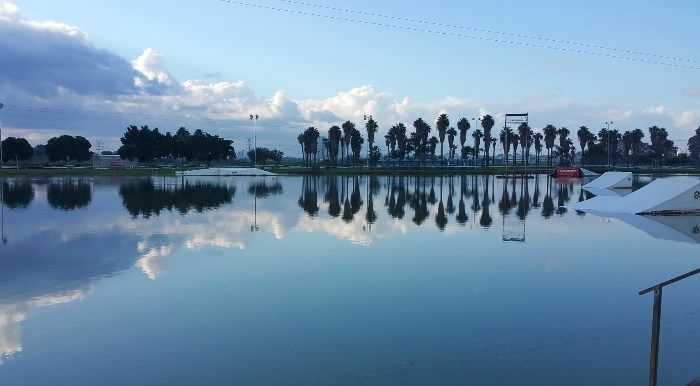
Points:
(92, 68)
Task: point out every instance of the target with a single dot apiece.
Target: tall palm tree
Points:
(506, 138)
(463, 126)
(422, 132)
(356, 142)
(451, 133)
(334, 136)
(525, 136)
(563, 144)
(302, 140)
(387, 141)
(371, 127)
(433, 145)
(550, 134)
(443, 122)
(311, 136)
(487, 123)
(584, 136)
(538, 146)
(348, 128)
(477, 135)
(637, 135)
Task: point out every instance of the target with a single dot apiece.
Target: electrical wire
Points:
(481, 38)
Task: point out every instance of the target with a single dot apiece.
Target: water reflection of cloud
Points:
(11, 315)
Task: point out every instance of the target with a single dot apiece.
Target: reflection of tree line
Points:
(455, 196)
(143, 198)
(66, 194)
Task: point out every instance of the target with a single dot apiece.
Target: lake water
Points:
(337, 281)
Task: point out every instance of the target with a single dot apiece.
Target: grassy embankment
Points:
(301, 170)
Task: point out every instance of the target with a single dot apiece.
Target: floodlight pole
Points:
(608, 135)
(369, 145)
(254, 118)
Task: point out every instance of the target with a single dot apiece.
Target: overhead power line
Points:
(481, 38)
(397, 18)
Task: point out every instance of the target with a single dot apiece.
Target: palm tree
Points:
(525, 136)
(584, 137)
(463, 126)
(302, 139)
(348, 128)
(311, 142)
(433, 145)
(451, 133)
(387, 141)
(421, 137)
(334, 136)
(493, 144)
(506, 138)
(563, 144)
(442, 124)
(538, 146)
(371, 127)
(487, 123)
(637, 135)
(550, 134)
(477, 135)
(356, 142)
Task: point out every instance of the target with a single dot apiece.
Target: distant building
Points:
(112, 161)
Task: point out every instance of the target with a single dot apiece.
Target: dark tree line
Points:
(146, 145)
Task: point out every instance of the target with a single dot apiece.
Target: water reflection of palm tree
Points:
(485, 220)
(462, 216)
(504, 204)
(563, 197)
(524, 201)
(440, 217)
(476, 204)
(548, 202)
(536, 194)
(419, 202)
(309, 196)
(397, 198)
(450, 207)
(372, 189)
(331, 196)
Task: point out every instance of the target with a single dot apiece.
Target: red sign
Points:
(116, 164)
(568, 172)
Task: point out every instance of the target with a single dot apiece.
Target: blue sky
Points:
(93, 67)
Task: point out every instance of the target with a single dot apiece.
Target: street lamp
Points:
(608, 135)
(254, 118)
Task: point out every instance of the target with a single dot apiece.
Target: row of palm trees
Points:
(419, 145)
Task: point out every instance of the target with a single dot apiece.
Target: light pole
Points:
(254, 118)
(608, 135)
(1, 106)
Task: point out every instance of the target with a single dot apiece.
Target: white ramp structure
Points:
(225, 172)
(673, 195)
(611, 180)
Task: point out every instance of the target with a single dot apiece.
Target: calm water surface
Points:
(336, 281)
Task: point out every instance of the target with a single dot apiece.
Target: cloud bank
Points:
(55, 81)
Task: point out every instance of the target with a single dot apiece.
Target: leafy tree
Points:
(263, 154)
(16, 148)
(128, 152)
(487, 123)
(694, 147)
(276, 156)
